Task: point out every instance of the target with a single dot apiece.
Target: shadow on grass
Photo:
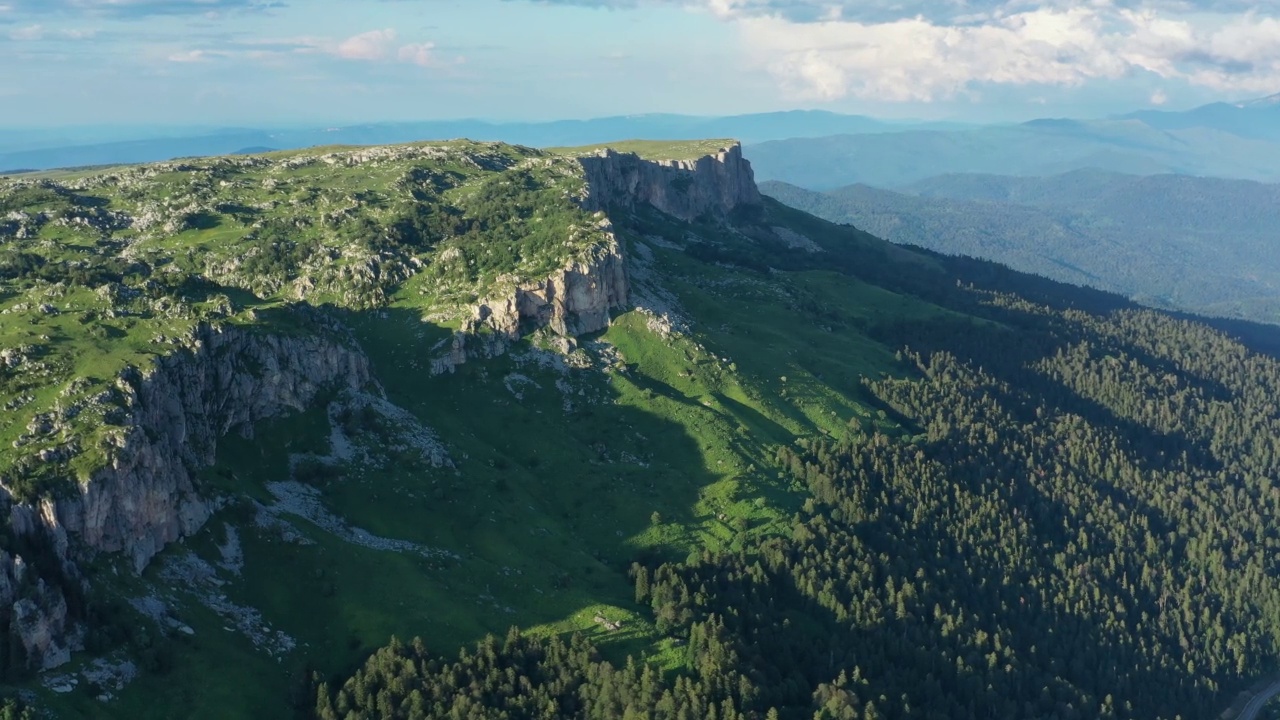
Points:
(546, 510)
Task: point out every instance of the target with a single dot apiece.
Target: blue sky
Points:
(262, 62)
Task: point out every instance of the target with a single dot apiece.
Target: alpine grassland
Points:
(467, 438)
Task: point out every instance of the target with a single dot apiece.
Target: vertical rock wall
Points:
(146, 496)
(711, 186)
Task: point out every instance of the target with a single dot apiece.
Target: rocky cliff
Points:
(711, 186)
(579, 298)
(225, 380)
(575, 300)
(145, 497)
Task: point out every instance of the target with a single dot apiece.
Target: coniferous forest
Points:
(1075, 521)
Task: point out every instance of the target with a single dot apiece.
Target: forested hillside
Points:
(1068, 518)
(1202, 245)
(1030, 149)
(479, 431)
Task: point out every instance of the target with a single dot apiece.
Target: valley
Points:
(1192, 244)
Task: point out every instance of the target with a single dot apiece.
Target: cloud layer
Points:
(372, 46)
(922, 51)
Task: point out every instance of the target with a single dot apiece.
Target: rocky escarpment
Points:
(579, 298)
(575, 300)
(145, 496)
(712, 185)
(225, 380)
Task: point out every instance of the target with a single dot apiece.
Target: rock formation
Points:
(145, 496)
(575, 300)
(579, 298)
(711, 186)
(225, 380)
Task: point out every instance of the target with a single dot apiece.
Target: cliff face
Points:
(145, 497)
(712, 185)
(578, 299)
(575, 300)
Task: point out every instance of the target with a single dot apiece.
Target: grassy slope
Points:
(545, 509)
(234, 237)
(665, 448)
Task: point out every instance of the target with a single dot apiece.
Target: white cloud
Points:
(136, 9)
(33, 33)
(1159, 97)
(30, 32)
(372, 45)
(422, 54)
(921, 60)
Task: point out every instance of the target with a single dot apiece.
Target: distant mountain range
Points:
(814, 149)
(1253, 119)
(1204, 245)
(45, 149)
(1037, 148)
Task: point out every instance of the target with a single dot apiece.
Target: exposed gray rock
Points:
(224, 380)
(575, 300)
(579, 298)
(303, 501)
(712, 185)
(145, 497)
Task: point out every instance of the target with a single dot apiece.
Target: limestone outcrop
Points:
(224, 381)
(145, 497)
(711, 186)
(575, 300)
(579, 298)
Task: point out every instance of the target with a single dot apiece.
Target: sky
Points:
(317, 62)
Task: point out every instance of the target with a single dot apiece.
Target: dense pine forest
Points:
(1073, 521)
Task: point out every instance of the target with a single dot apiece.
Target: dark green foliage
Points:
(1079, 526)
(519, 677)
(1199, 244)
(15, 709)
(277, 248)
(517, 219)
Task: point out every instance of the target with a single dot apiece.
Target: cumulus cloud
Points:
(31, 33)
(925, 50)
(372, 45)
(190, 56)
(942, 11)
(377, 45)
(918, 60)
